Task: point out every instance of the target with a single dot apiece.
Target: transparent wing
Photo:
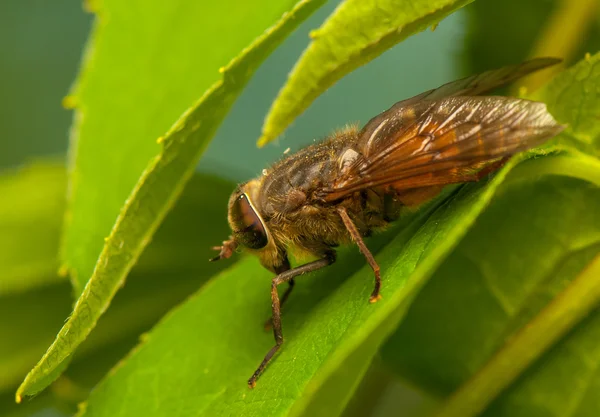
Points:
(445, 141)
(474, 85)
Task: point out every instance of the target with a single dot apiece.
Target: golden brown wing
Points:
(439, 142)
(474, 85)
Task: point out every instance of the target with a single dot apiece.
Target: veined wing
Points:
(470, 86)
(439, 142)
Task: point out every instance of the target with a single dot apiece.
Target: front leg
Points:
(285, 266)
(285, 276)
(286, 294)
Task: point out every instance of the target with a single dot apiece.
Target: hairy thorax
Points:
(297, 220)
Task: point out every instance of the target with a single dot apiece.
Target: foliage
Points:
(490, 292)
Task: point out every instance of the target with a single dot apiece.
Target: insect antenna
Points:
(226, 250)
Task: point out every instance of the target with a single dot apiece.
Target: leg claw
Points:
(374, 298)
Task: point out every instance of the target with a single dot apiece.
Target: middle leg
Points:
(286, 294)
(354, 233)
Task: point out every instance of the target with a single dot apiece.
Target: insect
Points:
(358, 181)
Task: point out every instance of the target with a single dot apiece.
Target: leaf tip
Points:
(81, 409)
(69, 102)
(314, 34)
(18, 397)
(91, 6)
(263, 140)
(63, 271)
(374, 298)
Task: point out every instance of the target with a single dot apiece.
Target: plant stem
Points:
(565, 311)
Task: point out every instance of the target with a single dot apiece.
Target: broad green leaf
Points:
(173, 266)
(573, 97)
(156, 59)
(31, 211)
(382, 394)
(200, 356)
(168, 271)
(164, 178)
(357, 32)
(574, 360)
(34, 300)
(525, 249)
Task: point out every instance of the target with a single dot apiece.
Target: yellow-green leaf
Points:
(357, 32)
(573, 97)
(517, 285)
(201, 354)
(109, 159)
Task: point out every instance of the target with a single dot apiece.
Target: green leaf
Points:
(98, 192)
(173, 266)
(31, 210)
(163, 277)
(357, 32)
(154, 71)
(200, 356)
(166, 274)
(508, 286)
(34, 300)
(574, 392)
(573, 97)
(495, 288)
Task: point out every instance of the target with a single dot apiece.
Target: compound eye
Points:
(249, 228)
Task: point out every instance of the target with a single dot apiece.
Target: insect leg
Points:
(354, 233)
(286, 294)
(286, 276)
(226, 250)
(288, 291)
(484, 172)
(285, 266)
(490, 168)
